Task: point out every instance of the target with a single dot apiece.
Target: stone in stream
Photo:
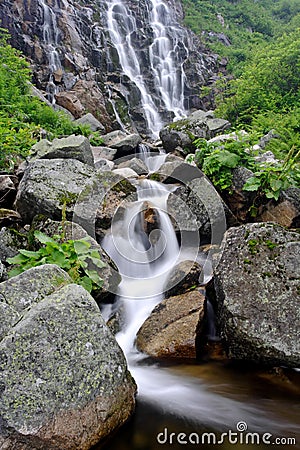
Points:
(172, 328)
(64, 379)
(257, 287)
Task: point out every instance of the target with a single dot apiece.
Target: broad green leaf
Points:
(18, 259)
(87, 283)
(252, 184)
(30, 254)
(42, 238)
(276, 185)
(93, 275)
(81, 247)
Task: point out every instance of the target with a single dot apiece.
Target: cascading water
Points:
(51, 36)
(145, 261)
(166, 55)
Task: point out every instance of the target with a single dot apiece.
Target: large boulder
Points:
(91, 121)
(199, 124)
(71, 147)
(49, 184)
(64, 379)
(171, 329)
(257, 288)
(184, 276)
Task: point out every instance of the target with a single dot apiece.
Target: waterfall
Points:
(51, 36)
(162, 89)
(144, 261)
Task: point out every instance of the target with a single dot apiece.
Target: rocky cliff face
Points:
(76, 63)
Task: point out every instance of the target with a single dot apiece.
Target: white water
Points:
(51, 35)
(166, 68)
(144, 263)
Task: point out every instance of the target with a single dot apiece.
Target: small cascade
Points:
(51, 37)
(152, 160)
(166, 64)
(162, 90)
(117, 116)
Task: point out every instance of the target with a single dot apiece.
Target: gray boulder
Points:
(124, 143)
(71, 147)
(103, 152)
(171, 329)
(257, 288)
(11, 242)
(89, 119)
(8, 190)
(48, 184)
(200, 124)
(135, 164)
(64, 379)
(183, 277)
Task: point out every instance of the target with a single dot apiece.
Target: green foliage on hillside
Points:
(246, 23)
(23, 117)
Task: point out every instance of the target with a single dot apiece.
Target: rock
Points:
(8, 190)
(70, 101)
(198, 207)
(89, 119)
(183, 277)
(267, 157)
(182, 133)
(104, 164)
(2, 272)
(65, 383)
(234, 136)
(126, 172)
(48, 184)
(124, 143)
(171, 329)
(257, 289)
(267, 138)
(240, 201)
(11, 241)
(135, 164)
(9, 217)
(286, 211)
(71, 147)
(103, 152)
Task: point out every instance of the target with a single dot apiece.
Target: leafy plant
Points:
(76, 257)
(270, 180)
(96, 139)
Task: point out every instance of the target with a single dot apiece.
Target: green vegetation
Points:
(262, 92)
(76, 257)
(246, 23)
(23, 118)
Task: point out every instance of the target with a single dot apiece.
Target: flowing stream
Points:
(179, 398)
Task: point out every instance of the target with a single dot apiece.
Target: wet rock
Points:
(48, 184)
(171, 329)
(71, 147)
(126, 172)
(257, 288)
(89, 119)
(200, 124)
(8, 191)
(65, 383)
(286, 211)
(135, 164)
(183, 277)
